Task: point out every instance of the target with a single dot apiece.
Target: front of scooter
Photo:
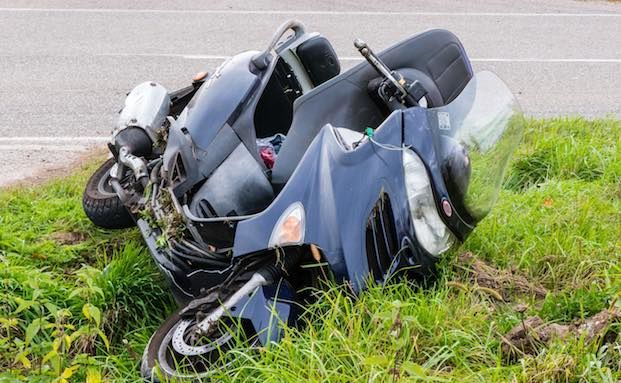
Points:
(454, 161)
(454, 156)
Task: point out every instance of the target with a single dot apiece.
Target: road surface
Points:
(65, 66)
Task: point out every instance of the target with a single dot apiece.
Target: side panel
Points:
(219, 99)
(203, 137)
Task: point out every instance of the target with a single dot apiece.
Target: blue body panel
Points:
(338, 189)
(220, 99)
(259, 308)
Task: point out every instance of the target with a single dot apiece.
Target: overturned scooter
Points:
(277, 162)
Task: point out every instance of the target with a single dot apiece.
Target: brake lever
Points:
(380, 67)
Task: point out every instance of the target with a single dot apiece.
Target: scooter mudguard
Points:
(268, 309)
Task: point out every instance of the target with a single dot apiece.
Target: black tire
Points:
(101, 204)
(149, 362)
(154, 366)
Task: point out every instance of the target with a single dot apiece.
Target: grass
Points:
(81, 307)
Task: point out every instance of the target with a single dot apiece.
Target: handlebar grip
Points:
(360, 44)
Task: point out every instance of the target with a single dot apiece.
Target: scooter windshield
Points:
(476, 134)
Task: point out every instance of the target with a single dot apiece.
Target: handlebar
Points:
(379, 66)
(394, 78)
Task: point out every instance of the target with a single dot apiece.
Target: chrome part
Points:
(116, 175)
(368, 54)
(137, 165)
(296, 26)
(182, 347)
(120, 192)
(146, 107)
(104, 186)
(114, 171)
(171, 366)
(263, 59)
(248, 288)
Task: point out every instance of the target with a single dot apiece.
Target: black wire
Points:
(200, 260)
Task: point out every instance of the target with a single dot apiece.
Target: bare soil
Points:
(502, 285)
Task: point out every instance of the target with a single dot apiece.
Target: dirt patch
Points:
(68, 237)
(528, 337)
(500, 284)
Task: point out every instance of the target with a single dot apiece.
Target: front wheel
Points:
(178, 351)
(101, 204)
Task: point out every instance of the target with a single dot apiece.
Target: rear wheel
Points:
(100, 202)
(178, 351)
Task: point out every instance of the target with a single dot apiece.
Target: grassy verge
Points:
(79, 303)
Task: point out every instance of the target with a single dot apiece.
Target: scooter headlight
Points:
(430, 230)
(289, 229)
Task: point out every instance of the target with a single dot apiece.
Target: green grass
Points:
(86, 309)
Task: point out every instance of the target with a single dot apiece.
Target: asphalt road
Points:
(65, 66)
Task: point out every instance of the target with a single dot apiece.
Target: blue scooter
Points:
(277, 170)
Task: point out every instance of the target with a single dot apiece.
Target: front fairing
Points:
(338, 189)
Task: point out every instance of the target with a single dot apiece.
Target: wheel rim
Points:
(104, 187)
(185, 340)
(184, 354)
